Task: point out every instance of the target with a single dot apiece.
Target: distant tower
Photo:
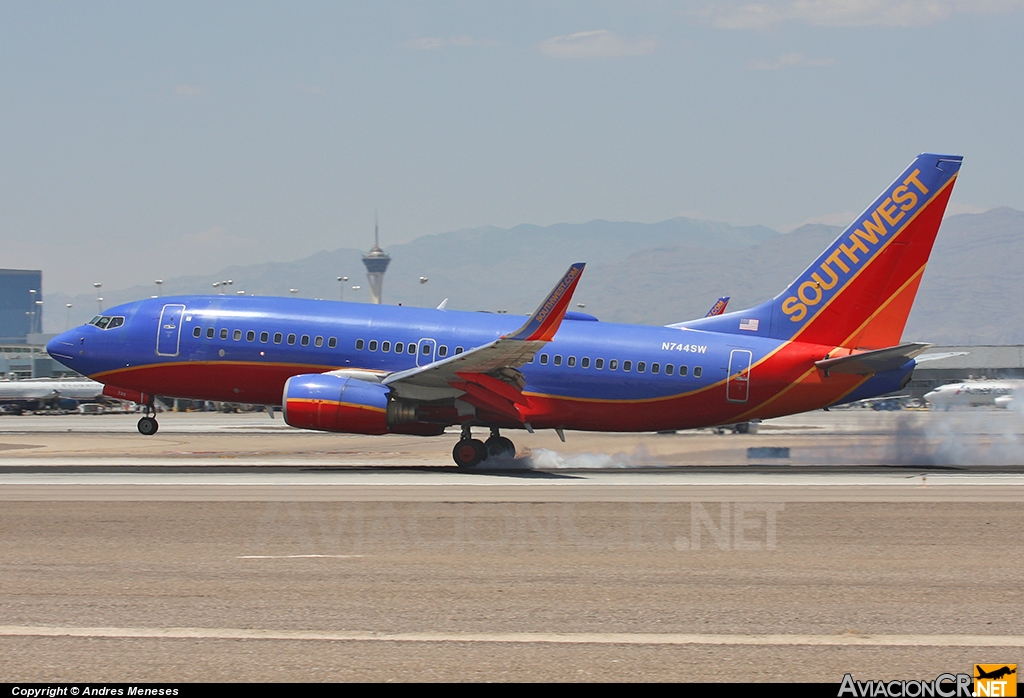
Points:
(376, 262)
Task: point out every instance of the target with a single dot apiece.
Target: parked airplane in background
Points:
(833, 336)
(48, 393)
(974, 394)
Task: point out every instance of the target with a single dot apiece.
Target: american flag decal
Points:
(750, 325)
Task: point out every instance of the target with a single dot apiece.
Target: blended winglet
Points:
(719, 307)
(544, 323)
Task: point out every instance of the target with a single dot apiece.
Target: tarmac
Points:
(234, 548)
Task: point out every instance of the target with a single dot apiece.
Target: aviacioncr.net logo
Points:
(942, 686)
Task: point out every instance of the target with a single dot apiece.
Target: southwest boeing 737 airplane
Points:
(833, 336)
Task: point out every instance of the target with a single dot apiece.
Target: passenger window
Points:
(264, 337)
(558, 360)
(332, 342)
(278, 337)
(426, 348)
(627, 365)
(291, 340)
(442, 350)
(250, 336)
(614, 364)
(319, 341)
(197, 331)
(385, 346)
(209, 333)
(641, 366)
(458, 350)
(668, 369)
(224, 333)
(599, 364)
(305, 340)
(682, 370)
(697, 371)
(359, 342)
(544, 359)
(399, 347)
(571, 361)
(373, 345)
(237, 335)
(411, 348)
(585, 362)
(655, 368)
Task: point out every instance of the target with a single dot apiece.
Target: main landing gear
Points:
(148, 424)
(469, 451)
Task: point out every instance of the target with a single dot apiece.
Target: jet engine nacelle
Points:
(333, 403)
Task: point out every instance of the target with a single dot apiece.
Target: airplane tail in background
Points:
(859, 292)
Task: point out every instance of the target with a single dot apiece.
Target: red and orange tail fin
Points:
(858, 293)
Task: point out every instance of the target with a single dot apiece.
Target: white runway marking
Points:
(285, 557)
(527, 638)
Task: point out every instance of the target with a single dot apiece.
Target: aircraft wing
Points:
(869, 362)
(487, 375)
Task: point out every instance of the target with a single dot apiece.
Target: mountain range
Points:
(655, 273)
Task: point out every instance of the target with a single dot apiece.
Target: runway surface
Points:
(226, 548)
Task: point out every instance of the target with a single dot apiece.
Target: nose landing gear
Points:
(470, 452)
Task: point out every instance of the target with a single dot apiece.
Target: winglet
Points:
(719, 307)
(544, 323)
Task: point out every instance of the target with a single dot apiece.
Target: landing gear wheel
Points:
(500, 447)
(469, 452)
(148, 426)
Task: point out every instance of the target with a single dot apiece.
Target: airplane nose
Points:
(61, 346)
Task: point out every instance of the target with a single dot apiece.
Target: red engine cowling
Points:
(331, 403)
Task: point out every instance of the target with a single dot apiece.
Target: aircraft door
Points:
(425, 352)
(737, 385)
(168, 334)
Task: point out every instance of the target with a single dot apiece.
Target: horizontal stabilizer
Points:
(941, 356)
(876, 361)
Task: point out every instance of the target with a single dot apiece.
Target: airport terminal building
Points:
(21, 304)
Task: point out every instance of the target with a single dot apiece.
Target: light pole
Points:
(342, 280)
(159, 283)
(32, 313)
(67, 323)
(38, 317)
(423, 280)
(99, 299)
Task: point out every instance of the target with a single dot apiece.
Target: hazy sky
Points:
(144, 140)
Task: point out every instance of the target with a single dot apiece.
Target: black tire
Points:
(148, 426)
(500, 447)
(469, 452)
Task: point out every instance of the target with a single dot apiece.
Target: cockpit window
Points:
(107, 322)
